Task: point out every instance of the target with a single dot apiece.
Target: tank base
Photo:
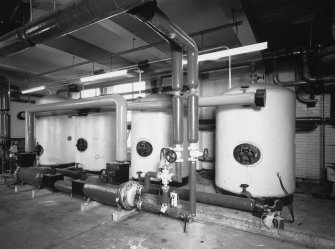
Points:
(286, 200)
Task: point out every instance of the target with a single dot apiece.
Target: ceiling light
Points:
(104, 76)
(230, 52)
(34, 89)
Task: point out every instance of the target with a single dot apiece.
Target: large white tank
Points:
(55, 134)
(150, 132)
(253, 145)
(95, 140)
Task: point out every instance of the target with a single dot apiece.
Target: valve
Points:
(39, 149)
(244, 191)
(171, 156)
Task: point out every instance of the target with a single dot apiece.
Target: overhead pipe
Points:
(160, 23)
(277, 81)
(71, 17)
(115, 99)
(309, 78)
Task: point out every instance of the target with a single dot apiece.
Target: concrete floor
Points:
(53, 220)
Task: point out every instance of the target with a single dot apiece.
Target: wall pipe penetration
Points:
(69, 18)
(112, 100)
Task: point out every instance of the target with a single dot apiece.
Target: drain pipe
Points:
(115, 99)
(73, 16)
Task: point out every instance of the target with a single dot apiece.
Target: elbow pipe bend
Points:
(121, 119)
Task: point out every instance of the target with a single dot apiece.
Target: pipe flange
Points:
(127, 194)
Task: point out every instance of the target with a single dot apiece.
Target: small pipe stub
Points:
(260, 97)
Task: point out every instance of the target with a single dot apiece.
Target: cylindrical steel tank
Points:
(95, 140)
(256, 146)
(150, 132)
(55, 133)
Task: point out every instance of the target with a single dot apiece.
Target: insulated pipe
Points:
(63, 186)
(178, 121)
(151, 205)
(31, 175)
(146, 187)
(115, 99)
(115, 195)
(228, 99)
(309, 78)
(193, 118)
(282, 83)
(71, 17)
(149, 105)
(177, 67)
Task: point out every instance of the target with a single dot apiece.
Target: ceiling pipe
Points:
(71, 17)
(284, 83)
(311, 79)
(110, 100)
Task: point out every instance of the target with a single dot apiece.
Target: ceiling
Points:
(113, 43)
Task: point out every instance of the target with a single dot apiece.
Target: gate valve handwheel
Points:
(163, 152)
(171, 156)
(205, 154)
(103, 175)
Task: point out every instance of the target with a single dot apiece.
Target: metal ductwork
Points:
(73, 16)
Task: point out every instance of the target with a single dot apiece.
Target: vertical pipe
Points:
(193, 118)
(192, 186)
(192, 69)
(177, 67)
(178, 110)
(30, 132)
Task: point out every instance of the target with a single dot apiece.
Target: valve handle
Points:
(171, 156)
(103, 176)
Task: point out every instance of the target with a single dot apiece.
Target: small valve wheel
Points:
(103, 176)
(81, 144)
(39, 149)
(171, 156)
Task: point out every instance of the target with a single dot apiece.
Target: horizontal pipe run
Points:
(149, 105)
(151, 205)
(104, 193)
(115, 99)
(309, 78)
(72, 16)
(220, 200)
(70, 173)
(228, 99)
(63, 186)
(32, 175)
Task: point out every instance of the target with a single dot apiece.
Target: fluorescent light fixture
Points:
(104, 76)
(230, 52)
(33, 89)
